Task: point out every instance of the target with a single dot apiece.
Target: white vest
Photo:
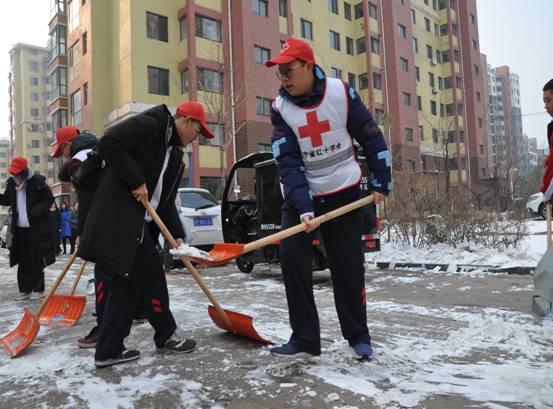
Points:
(326, 146)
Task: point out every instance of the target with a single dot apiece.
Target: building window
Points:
(413, 17)
(415, 45)
(208, 28)
(481, 149)
(410, 165)
(431, 80)
(373, 11)
(478, 96)
(360, 44)
(74, 60)
(349, 46)
(433, 108)
(404, 63)
(34, 128)
(33, 66)
(363, 81)
(282, 8)
(351, 79)
(406, 99)
(73, 15)
(421, 132)
(429, 52)
(419, 102)
(474, 45)
(375, 45)
(334, 40)
(184, 81)
(75, 104)
(60, 82)
(402, 31)
(336, 72)
(347, 11)
(36, 159)
(264, 147)
(35, 112)
(480, 122)
(358, 10)
(377, 81)
(182, 28)
(427, 24)
(263, 106)
(156, 27)
(306, 29)
(34, 96)
(158, 81)
(333, 6)
(435, 136)
(210, 80)
(218, 135)
(261, 55)
(476, 70)
(449, 110)
(34, 81)
(417, 74)
(260, 7)
(58, 41)
(59, 119)
(35, 143)
(472, 18)
(85, 93)
(408, 133)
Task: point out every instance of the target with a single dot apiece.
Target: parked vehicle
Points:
(535, 205)
(200, 215)
(251, 218)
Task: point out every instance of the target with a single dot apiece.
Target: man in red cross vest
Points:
(547, 188)
(315, 122)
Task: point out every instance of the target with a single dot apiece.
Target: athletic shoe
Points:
(177, 344)
(22, 296)
(125, 356)
(289, 350)
(362, 351)
(37, 295)
(90, 340)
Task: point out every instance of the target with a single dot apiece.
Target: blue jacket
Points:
(65, 216)
(361, 126)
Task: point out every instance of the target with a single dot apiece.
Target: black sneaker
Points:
(90, 340)
(125, 356)
(177, 344)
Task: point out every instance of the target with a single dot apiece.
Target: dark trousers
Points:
(30, 273)
(71, 240)
(144, 286)
(342, 242)
(102, 287)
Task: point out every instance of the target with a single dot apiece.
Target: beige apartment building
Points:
(30, 90)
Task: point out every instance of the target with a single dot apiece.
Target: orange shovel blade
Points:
(63, 310)
(23, 335)
(241, 324)
(221, 253)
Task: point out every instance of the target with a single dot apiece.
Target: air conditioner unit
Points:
(434, 90)
(433, 61)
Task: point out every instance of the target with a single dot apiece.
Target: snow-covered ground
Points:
(528, 255)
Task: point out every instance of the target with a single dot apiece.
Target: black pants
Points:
(102, 287)
(71, 240)
(342, 241)
(30, 273)
(145, 286)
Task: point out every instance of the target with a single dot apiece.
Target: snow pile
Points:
(186, 250)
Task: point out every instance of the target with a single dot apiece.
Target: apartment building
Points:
(4, 159)
(30, 90)
(416, 64)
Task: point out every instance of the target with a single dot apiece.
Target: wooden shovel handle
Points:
(254, 245)
(548, 218)
(77, 279)
(57, 282)
(169, 237)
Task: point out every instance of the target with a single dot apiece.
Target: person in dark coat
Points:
(143, 161)
(65, 217)
(56, 227)
(32, 247)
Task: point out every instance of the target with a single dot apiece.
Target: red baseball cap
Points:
(195, 110)
(63, 135)
(18, 164)
(292, 50)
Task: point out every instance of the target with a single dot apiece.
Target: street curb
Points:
(459, 267)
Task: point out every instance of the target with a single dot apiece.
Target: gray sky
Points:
(512, 32)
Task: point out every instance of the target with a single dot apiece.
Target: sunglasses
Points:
(287, 72)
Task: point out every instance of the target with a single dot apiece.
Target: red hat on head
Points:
(292, 50)
(195, 110)
(18, 164)
(63, 135)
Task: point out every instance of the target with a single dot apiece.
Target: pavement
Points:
(441, 340)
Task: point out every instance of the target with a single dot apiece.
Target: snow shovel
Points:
(25, 333)
(548, 218)
(225, 252)
(238, 324)
(65, 309)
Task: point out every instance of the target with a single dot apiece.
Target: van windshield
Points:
(197, 200)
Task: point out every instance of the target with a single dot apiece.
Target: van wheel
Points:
(244, 265)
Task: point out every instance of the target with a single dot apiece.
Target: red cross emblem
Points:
(314, 129)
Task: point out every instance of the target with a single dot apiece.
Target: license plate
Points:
(203, 221)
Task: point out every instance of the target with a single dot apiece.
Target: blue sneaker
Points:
(362, 352)
(289, 350)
